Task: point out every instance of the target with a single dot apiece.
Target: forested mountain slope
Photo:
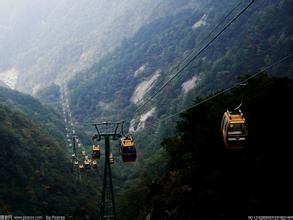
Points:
(43, 42)
(36, 172)
(205, 180)
(191, 174)
(32, 108)
(133, 72)
(115, 87)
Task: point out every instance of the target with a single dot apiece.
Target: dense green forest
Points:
(183, 170)
(36, 172)
(33, 109)
(199, 176)
(204, 180)
(258, 38)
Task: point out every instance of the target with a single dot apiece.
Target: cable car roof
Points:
(235, 117)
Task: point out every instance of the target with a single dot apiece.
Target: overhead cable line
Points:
(263, 69)
(189, 55)
(195, 56)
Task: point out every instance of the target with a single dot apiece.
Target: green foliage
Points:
(194, 166)
(104, 90)
(49, 95)
(31, 108)
(260, 37)
(36, 175)
(204, 180)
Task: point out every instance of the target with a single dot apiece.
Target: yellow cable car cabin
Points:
(81, 167)
(127, 149)
(111, 158)
(234, 129)
(94, 164)
(96, 151)
(87, 164)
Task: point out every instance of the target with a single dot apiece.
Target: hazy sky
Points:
(19, 12)
(41, 37)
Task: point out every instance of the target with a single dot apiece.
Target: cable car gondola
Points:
(87, 164)
(96, 151)
(111, 158)
(81, 167)
(234, 129)
(127, 149)
(94, 164)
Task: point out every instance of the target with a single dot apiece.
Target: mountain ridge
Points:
(36, 170)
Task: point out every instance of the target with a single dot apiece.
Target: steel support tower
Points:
(107, 205)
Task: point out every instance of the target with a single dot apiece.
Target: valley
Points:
(168, 70)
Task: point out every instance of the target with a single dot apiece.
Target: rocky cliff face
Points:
(52, 41)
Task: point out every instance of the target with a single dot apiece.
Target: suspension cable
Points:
(195, 56)
(263, 69)
(189, 55)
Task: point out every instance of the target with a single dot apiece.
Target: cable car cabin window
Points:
(237, 128)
